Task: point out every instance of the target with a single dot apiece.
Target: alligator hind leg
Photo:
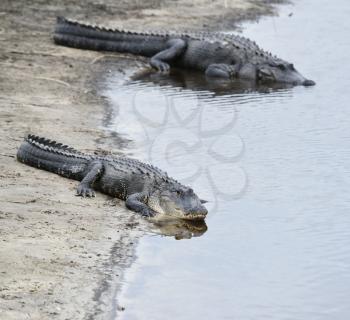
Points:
(135, 202)
(175, 48)
(221, 70)
(85, 186)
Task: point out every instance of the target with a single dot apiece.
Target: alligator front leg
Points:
(135, 202)
(175, 48)
(221, 70)
(85, 186)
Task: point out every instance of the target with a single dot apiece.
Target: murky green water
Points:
(274, 165)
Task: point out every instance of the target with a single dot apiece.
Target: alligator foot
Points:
(175, 47)
(136, 203)
(160, 65)
(85, 191)
(148, 213)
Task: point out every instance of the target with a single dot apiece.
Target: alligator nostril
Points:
(309, 83)
(204, 212)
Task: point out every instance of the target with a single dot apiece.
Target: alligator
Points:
(145, 189)
(219, 55)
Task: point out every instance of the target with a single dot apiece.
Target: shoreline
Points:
(61, 255)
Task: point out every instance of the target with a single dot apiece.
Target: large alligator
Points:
(218, 55)
(144, 188)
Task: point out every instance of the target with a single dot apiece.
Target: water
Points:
(274, 165)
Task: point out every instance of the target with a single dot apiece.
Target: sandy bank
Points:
(61, 256)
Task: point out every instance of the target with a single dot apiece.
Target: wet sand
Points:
(61, 256)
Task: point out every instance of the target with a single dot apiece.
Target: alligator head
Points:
(178, 201)
(281, 72)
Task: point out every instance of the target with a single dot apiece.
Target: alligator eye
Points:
(282, 67)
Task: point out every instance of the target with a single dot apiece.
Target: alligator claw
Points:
(148, 213)
(85, 191)
(90, 193)
(160, 65)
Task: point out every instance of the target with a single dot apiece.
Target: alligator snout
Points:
(308, 83)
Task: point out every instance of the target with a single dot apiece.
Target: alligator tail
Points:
(52, 156)
(85, 36)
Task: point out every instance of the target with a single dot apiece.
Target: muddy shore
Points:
(61, 256)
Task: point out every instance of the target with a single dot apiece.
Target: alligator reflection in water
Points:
(197, 81)
(179, 228)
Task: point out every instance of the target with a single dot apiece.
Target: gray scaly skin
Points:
(218, 55)
(144, 188)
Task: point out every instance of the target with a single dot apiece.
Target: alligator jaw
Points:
(196, 216)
